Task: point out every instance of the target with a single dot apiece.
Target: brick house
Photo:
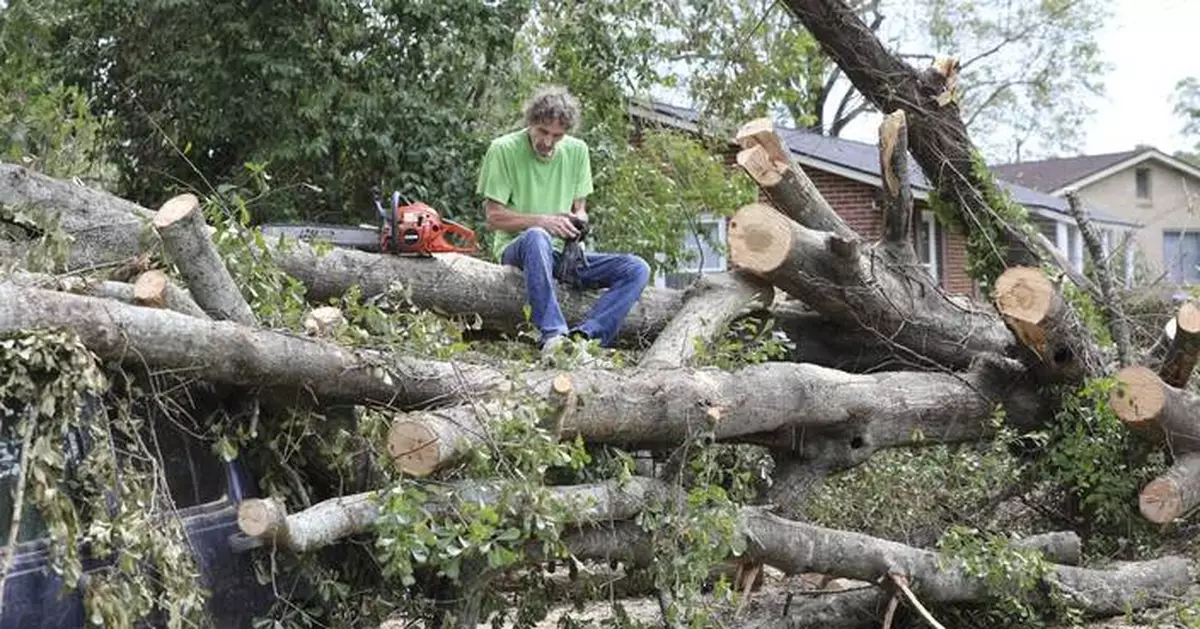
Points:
(847, 174)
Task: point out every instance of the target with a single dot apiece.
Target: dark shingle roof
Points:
(1049, 175)
(864, 158)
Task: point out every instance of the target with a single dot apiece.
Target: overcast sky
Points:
(1151, 44)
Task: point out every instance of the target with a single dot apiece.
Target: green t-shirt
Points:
(512, 174)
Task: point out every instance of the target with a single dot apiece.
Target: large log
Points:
(185, 238)
(173, 297)
(1150, 406)
(824, 416)
(859, 287)
(228, 353)
(1173, 494)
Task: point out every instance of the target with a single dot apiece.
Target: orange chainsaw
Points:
(417, 229)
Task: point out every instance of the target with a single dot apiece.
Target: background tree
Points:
(1187, 107)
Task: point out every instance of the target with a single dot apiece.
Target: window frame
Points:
(1186, 276)
(932, 248)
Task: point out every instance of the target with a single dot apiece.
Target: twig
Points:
(893, 603)
(902, 582)
(1112, 309)
(10, 549)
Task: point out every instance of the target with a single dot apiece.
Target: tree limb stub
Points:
(181, 226)
(1061, 348)
(176, 298)
(1180, 360)
(229, 353)
(709, 305)
(824, 416)
(1173, 494)
(898, 202)
(1146, 404)
(766, 158)
(857, 287)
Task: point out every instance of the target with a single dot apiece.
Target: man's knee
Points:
(639, 270)
(536, 236)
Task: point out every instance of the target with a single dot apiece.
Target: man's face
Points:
(544, 136)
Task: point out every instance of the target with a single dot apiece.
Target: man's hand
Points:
(559, 225)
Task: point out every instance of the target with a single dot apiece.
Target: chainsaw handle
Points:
(462, 232)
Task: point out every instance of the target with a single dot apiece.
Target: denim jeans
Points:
(624, 276)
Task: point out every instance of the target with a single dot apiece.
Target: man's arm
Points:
(579, 208)
(501, 218)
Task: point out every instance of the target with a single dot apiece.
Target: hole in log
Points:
(857, 442)
(1063, 355)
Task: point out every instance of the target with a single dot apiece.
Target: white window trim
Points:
(927, 218)
(710, 266)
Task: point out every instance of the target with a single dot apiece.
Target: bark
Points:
(1147, 405)
(1173, 494)
(176, 298)
(106, 228)
(1110, 302)
(185, 238)
(327, 522)
(897, 193)
(1180, 360)
(229, 353)
(821, 341)
(858, 286)
(766, 159)
(1060, 348)
(938, 137)
(708, 307)
(796, 547)
(823, 416)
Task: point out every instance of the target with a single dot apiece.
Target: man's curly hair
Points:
(552, 104)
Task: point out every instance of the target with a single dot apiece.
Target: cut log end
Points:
(761, 132)
(760, 238)
(562, 384)
(150, 289)
(1138, 397)
(1024, 296)
(1188, 318)
(176, 209)
(262, 517)
(1161, 501)
(414, 448)
(758, 164)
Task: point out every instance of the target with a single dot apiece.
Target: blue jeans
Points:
(624, 276)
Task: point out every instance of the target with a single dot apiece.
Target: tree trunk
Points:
(708, 307)
(185, 238)
(1150, 406)
(1061, 348)
(1180, 360)
(856, 286)
(175, 298)
(824, 416)
(228, 353)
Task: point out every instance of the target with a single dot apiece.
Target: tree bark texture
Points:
(826, 417)
(174, 298)
(1061, 348)
(181, 226)
(229, 353)
(709, 305)
(897, 192)
(857, 286)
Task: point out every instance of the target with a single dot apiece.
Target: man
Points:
(534, 181)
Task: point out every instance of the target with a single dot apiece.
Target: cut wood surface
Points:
(897, 192)
(827, 417)
(229, 353)
(1148, 405)
(708, 307)
(1173, 494)
(849, 282)
(185, 237)
(1063, 350)
(1180, 360)
(150, 289)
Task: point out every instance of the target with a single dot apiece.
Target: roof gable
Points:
(1048, 175)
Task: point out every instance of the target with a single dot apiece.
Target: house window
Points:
(927, 244)
(704, 252)
(1142, 178)
(1069, 244)
(1181, 256)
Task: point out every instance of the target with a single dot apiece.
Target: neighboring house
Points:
(847, 175)
(1145, 186)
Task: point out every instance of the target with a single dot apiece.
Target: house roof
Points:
(1049, 175)
(1056, 176)
(860, 161)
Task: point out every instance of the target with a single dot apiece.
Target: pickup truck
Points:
(206, 492)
